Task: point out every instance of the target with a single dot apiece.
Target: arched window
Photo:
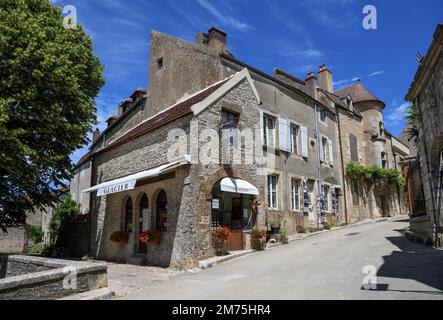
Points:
(144, 221)
(162, 211)
(128, 215)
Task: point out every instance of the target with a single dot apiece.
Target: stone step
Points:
(137, 260)
(98, 294)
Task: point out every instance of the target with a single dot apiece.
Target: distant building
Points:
(426, 94)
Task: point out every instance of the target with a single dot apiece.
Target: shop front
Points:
(234, 206)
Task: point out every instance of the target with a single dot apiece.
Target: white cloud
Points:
(376, 73)
(398, 114)
(345, 82)
(224, 19)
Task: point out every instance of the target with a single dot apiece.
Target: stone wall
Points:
(177, 68)
(36, 278)
(14, 241)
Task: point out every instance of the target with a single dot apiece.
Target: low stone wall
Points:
(36, 278)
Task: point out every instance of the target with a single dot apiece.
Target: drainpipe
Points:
(342, 166)
(319, 183)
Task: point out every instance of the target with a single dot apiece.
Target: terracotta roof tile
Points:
(178, 110)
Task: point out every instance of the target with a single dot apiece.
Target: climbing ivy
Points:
(374, 174)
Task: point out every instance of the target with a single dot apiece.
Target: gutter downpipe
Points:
(342, 166)
(319, 189)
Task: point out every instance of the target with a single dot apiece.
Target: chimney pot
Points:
(95, 135)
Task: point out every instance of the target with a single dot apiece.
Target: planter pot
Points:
(275, 230)
(219, 247)
(257, 244)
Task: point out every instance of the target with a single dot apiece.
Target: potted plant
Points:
(152, 237)
(275, 226)
(219, 237)
(257, 239)
(119, 237)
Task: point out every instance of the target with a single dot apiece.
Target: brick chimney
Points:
(95, 135)
(311, 85)
(325, 79)
(215, 39)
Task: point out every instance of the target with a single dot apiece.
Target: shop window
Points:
(128, 216)
(162, 212)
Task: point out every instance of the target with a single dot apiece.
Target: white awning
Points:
(128, 182)
(238, 186)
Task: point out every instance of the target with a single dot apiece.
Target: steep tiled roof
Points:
(358, 93)
(176, 111)
(336, 99)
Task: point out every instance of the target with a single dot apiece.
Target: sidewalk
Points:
(209, 263)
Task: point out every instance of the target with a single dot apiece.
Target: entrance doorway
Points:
(235, 211)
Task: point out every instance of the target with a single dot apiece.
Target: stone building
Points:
(426, 94)
(365, 141)
(150, 169)
(212, 142)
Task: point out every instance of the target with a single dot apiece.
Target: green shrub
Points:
(301, 228)
(312, 229)
(37, 248)
(283, 237)
(35, 234)
(65, 209)
(326, 225)
(86, 258)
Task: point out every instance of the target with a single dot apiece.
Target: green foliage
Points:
(37, 248)
(65, 209)
(86, 258)
(412, 117)
(374, 174)
(301, 228)
(283, 237)
(326, 225)
(313, 229)
(49, 78)
(36, 234)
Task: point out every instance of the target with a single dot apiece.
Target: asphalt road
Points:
(326, 266)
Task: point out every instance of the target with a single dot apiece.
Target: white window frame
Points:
(271, 189)
(295, 199)
(325, 149)
(266, 130)
(296, 138)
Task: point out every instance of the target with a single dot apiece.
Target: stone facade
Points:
(213, 84)
(426, 94)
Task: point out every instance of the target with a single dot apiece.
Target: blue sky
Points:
(294, 35)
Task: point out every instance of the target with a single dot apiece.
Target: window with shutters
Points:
(229, 124)
(295, 194)
(268, 130)
(354, 191)
(294, 138)
(353, 147)
(272, 191)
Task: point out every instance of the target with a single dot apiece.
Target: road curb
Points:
(212, 262)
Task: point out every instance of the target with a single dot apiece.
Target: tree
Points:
(49, 78)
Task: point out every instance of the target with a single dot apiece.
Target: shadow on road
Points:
(414, 261)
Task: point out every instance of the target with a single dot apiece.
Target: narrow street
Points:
(326, 266)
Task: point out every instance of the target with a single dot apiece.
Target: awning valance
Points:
(238, 186)
(128, 182)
